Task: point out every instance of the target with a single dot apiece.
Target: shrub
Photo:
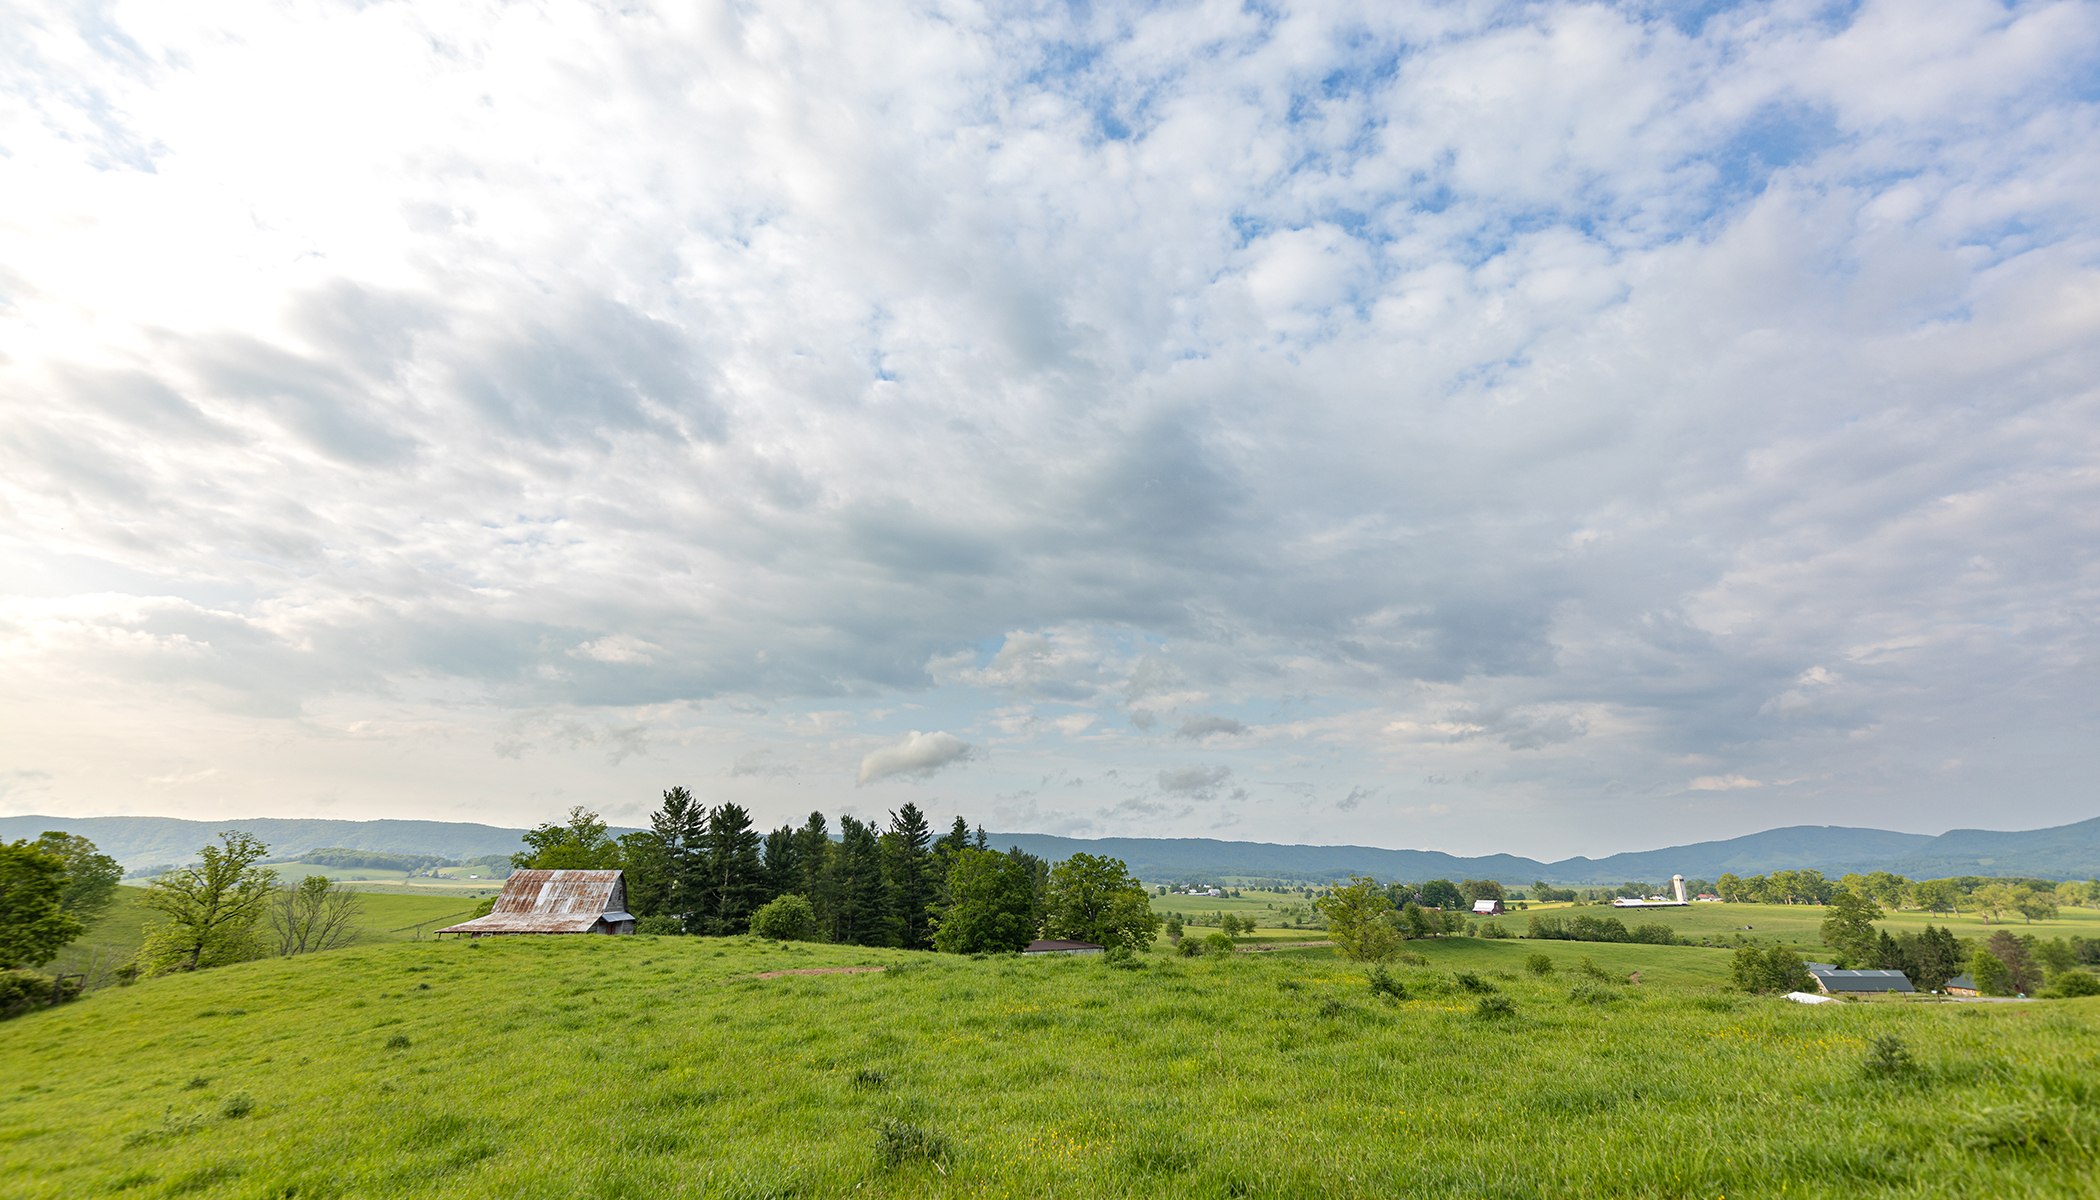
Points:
(1493, 929)
(21, 991)
(1472, 982)
(660, 926)
(2073, 983)
(1383, 984)
(786, 918)
(1188, 947)
(1217, 943)
(1888, 1058)
(1122, 958)
(397, 1042)
(236, 1106)
(897, 1143)
(1539, 964)
(1776, 969)
(1492, 1008)
(1656, 935)
(871, 1079)
(1590, 993)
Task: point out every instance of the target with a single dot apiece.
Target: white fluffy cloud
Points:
(919, 754)
(1552, 403)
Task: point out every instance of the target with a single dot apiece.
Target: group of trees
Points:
(704, 869)
(224, 908)
(1584, 928)
(1991, 898)
(51, 890)
(1368, 921)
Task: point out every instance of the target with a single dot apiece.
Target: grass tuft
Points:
(1494, 1008)
(897, 1143)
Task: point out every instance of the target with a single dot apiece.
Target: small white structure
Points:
(1676, 885)
(1810, 998)
(1487, 908)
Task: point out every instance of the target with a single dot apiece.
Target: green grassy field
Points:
(645, 1067)
(387, 916)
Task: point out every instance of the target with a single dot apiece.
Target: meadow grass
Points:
(545, 1067)
(385, 917)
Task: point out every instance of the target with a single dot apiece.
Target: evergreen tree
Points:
(908, 878)
(814, 852)
(983, 842)
(783, 863)
(855, 881)
(679, 826)
(649, 876)
(735, 876)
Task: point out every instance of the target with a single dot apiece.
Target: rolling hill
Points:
(2063, 852)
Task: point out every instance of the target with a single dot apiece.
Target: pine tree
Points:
(908, 879)
(814, 852)
(856, 879)
(783, 863)
(735, 877)
(680, 825)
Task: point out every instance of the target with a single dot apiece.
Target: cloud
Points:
(1200, 782)
(1202, 725)
(758, 764)
(618, 648)
(919, 754)
(1306, 363)
(1723, 783)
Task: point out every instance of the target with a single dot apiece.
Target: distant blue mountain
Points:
(2064, 852)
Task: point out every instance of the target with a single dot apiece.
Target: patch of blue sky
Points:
(1776, 137)
(1689, 17)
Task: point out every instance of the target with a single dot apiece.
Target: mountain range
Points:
(2062, 852)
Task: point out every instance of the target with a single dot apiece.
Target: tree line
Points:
(707, 870)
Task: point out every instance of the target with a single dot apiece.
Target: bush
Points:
(397, 1042)
(21, 991)
(1656, 935)
(1539, 964)
(785, 919)
(1777, 969)
(1383, 983)
(1493, 1008)
(1217, 943)
(1493, 929)
(1590, 993)
(1188, 947)
(1472, 982)
(236, 1106)
(1888, 1058)
(660, 926)
(2073, 983)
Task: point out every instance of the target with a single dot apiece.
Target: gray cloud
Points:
(1200, 782)
(1202, 725)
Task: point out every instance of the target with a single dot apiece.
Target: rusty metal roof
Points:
(552, 902)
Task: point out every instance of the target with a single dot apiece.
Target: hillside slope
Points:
(147, 841)
(643, 1067)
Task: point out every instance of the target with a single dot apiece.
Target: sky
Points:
(1539, 428)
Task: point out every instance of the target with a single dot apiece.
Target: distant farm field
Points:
(644, 1067)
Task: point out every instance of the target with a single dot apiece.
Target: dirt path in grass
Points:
(814, 971)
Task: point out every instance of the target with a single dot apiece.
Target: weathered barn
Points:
(1488, 908)
(555, 902)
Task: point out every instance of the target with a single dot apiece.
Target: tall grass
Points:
(557, 1067)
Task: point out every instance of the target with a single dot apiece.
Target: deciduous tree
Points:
(580, 845)
(212, 908)
(91, 876)
(1848, 925)
(991, 905)
(1354, 911)
(1095, 899)
(34, 925)
(315, 916)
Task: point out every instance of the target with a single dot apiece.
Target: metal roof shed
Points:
(1834, 980)
(1041, 946)
(555, 902)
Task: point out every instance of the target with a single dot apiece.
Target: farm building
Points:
(1042, 946)
(1963, 985)
(1837, 982)
(1488, 908)
(555, 902)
